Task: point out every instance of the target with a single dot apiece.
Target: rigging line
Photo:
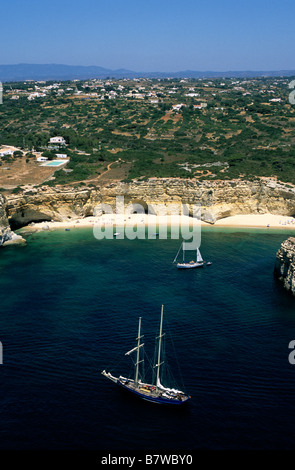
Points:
(176, 356)
(177, 253)
(141, 370)
(150, 363)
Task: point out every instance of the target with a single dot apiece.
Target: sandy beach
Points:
(258, 220)
(138, 220)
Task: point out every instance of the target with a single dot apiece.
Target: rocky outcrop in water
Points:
(285, 264)
(7, 236)
(217, 199)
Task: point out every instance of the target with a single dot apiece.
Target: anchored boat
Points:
(156, 393)
(197, 263)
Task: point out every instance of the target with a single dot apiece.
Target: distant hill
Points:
(21, 72)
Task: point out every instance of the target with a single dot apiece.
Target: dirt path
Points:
(108, 169)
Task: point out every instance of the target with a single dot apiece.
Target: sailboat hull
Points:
(189, 265)
(152, 397)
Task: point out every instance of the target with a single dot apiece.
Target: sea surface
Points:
(69, 309)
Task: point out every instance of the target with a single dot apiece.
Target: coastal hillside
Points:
(225, 144)
(98, 131)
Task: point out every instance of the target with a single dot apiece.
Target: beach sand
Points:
(258, 220)
(137, 220)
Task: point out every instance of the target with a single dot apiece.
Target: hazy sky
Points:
(151, 35)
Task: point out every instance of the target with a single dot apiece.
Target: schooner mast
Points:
(137, 354)
(159, 363)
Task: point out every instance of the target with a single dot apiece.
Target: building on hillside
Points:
(61, 155)
(34, 95)
(177, 107)
(57, 140)
(6, 150)
(200, 106)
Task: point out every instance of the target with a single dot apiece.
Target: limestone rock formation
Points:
(213, 199)
(3, 216)
(285, 264)
(7, 236)
(217, 199)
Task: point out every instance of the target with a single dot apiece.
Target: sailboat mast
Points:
(159, 349)
(137, 355)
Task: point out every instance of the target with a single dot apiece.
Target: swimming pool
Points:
(55, 163)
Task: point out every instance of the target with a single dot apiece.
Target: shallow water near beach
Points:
(69, 309)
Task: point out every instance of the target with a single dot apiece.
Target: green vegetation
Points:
(245, 129)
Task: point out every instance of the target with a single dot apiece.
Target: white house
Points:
(200, 106)
(42, 159)
(57, 140)
(61, 155)
(177, 107)
(3, 153)
(34, 95)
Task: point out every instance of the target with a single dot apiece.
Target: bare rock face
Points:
(217, 199)
(45, 204)
(7, 236)
(3, 216)
(285, 264)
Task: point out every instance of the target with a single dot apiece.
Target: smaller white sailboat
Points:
(197, 263)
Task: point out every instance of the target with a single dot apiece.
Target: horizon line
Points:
(152, 71)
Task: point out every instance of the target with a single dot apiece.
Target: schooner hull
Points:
(153, 399)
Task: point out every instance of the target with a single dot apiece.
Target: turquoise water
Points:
(69, 309)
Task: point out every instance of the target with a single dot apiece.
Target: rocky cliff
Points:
(3, 215)
(7, 236)
(285, 264)
(217, 199)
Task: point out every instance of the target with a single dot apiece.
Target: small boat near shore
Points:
(152, 392)
(197, 263)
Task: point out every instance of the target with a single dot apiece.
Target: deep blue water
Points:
(69, 309)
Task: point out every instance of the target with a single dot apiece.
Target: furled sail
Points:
(134, 349)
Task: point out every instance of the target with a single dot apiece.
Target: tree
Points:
(48, 154)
